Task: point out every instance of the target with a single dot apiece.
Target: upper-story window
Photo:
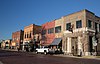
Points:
(89, 24)
(25, 35)
(58, 29)
(68, 26)
(43, 32)
(30, 35)
(79, 24)
(13, 39)
(51, 30)
(96, 26)
(99, 27)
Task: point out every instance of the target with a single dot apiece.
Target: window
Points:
(51, 30)
(43, 32)
(13, 39)
(79, 24)
(99, 27)
(25, 35)
(89, 24)
(58, 29)
(68, 26)
(96, 27)
(30, 35)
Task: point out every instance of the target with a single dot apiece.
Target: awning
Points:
(56, 41)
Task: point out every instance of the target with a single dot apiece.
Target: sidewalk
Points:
(9, 49)
(85, 57)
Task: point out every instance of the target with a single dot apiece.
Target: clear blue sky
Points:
(16, 14)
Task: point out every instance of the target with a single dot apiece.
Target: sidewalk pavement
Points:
(9, 49)
(84, 57)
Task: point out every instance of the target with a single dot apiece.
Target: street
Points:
(13, 57)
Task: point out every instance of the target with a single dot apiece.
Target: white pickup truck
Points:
(42, 50)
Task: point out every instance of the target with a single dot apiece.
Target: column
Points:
(97, 27)
(68, 45)
(23, 46)
(79, 46)
(86, 45)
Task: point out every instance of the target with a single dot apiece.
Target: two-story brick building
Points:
(77, 32)
(17, 39)
(48, 33)
(80, 29)
(32, 36)
(52, 33)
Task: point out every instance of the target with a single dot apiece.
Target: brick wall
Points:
(49, 37)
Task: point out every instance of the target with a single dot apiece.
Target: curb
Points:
(84, 57)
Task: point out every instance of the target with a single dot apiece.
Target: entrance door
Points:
(90, 44)
(74, 45)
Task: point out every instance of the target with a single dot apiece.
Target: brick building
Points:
(48, 33)
(6, 44)
(32, 36)
(52, 33)
(77, 32)
(80, 29)
(17, 39)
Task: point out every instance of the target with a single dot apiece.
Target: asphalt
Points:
(63, 55)
(14, 57)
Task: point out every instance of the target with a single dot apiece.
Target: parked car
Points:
(47, 50)
(55, 51)
(42, 50)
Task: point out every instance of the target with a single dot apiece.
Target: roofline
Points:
(80, 11)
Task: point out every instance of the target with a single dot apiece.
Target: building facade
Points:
(80, 31)
(52, 33)
(48, 33)
(17, 39)
(32, 36)
(77, 31)
(6, 44)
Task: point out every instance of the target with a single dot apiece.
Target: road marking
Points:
(1, 62)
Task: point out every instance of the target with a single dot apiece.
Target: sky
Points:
(16, 14)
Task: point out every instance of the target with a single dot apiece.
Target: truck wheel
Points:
(36, 52)
(45, 52)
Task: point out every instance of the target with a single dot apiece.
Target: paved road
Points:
(10, 57)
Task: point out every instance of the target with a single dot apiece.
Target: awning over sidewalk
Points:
(56, 41)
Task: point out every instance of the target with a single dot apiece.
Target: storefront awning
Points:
(56, 41)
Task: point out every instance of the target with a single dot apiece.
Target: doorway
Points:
(74, 46)
(90, 44)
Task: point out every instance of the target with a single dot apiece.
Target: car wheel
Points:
(36, 52)
(45, 52)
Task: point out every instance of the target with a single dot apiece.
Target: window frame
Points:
(44, 32)
(51, 30)
(68, 26)
(56, 29)
(89, 24)
(79, 24)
